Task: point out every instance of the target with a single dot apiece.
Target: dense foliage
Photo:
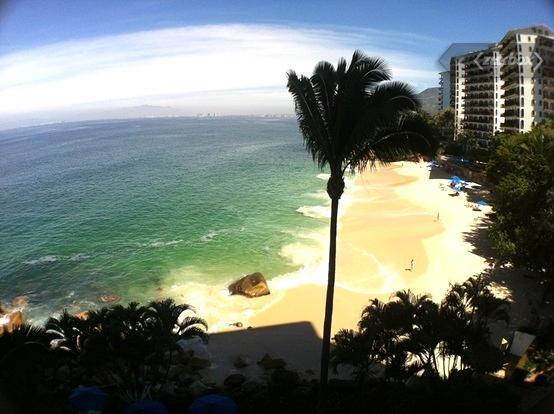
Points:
(132, 352)
(127, 349)
(444, 123)
(412, 334)
(522, 168)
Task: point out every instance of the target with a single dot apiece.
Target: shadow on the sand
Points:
(477, 236)
(439, 173)
(298, 344)
(521, 287)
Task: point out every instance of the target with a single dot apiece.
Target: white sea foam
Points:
(315, 211)
(43, 260)
(161, 243)
(209, 236)
(323, 176)
(79, 257)
(320, 195)
(308, 250)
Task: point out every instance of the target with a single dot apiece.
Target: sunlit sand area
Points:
(389, 219)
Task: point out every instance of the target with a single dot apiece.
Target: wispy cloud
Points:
(232, 68)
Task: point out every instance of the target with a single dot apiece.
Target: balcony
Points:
(508, 45)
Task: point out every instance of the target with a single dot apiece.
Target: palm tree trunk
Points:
(326, 344)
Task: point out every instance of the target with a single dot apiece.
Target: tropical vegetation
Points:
(412, 335)
(352, 116)
(127, 350)
(522, 169)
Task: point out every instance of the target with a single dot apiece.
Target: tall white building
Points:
(525, 71)
(508, 86)
(444, 90)
(457, 95)
(482, 93)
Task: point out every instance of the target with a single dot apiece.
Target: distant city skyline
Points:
(64, 61)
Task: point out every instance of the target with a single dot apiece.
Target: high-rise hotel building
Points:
(508, 86)
(444, 90)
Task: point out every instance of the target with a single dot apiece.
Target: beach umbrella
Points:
(213, 404)
(85, 399)
(146, 407)
(455, 178)
(482, 203)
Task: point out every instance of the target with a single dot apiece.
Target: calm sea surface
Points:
(128, 207)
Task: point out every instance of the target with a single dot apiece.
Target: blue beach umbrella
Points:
(146, 407)
(213, 404)
(85, 399)
(456, 179)
(482, 203)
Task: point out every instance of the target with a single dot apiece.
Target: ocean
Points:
(131, 207)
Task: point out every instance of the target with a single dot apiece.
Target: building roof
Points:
(535, 29)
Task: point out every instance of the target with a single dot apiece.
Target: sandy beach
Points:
(389, 219)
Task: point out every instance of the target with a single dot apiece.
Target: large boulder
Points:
(271, 363)
(251, 286)
(11, 321)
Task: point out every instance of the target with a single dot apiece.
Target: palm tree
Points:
(69, 330)
(351, 116)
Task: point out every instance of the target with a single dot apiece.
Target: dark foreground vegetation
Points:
(409, 355)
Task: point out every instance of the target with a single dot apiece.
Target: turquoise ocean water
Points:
(127, 207)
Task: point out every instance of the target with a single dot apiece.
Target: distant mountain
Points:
(429, 99)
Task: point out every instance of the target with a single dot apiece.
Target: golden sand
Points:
(391, 220)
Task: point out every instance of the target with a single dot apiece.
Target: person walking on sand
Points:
(438, 216)
(412, 265)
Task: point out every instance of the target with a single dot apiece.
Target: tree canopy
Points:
(522, 168)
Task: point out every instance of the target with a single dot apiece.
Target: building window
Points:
(522, 113)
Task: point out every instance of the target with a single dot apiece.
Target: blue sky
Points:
(78, 56)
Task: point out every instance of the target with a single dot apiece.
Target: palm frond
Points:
(309, 118)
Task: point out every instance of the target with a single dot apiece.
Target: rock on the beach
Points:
(196, 345)
(109, 298)
(21, 301)
(11, 321)
(82, 315)
(241, 362)
(271, 363)
(252, 286)
(234, 380)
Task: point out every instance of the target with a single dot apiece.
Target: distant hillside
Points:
(429, 99)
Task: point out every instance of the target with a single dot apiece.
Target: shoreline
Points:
(387, 217)
(390, 219)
